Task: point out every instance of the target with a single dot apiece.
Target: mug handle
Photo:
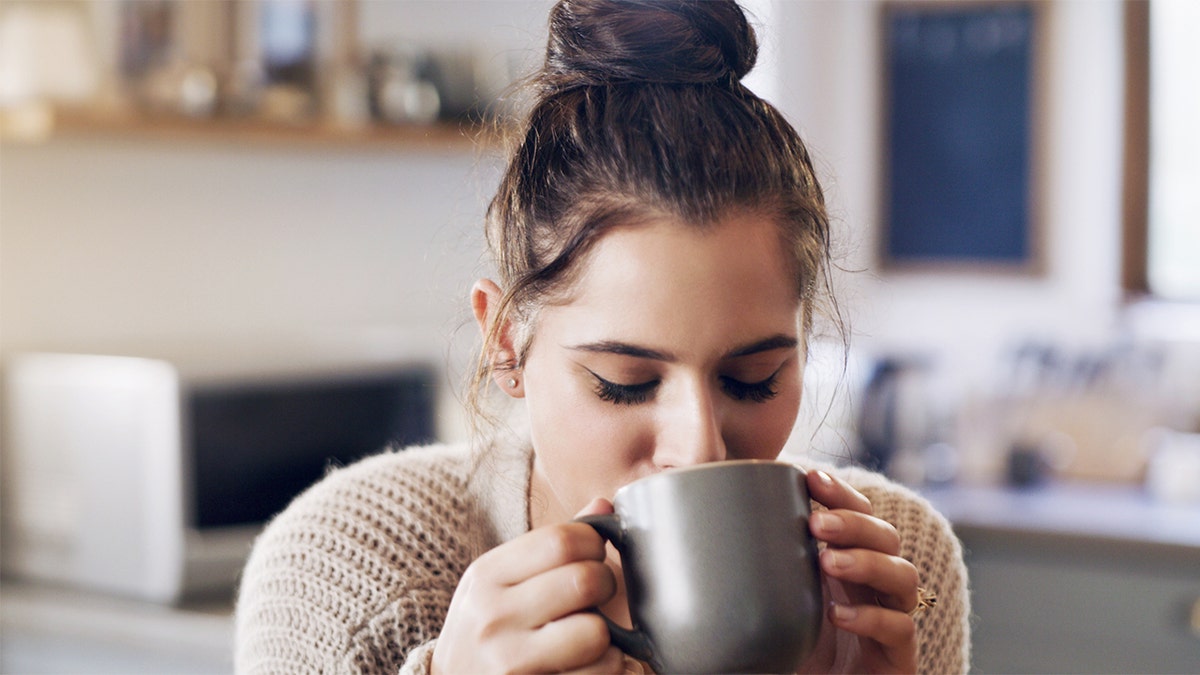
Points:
(633, 642)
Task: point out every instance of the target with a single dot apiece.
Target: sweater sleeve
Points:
(355, 576)
(418, 660)
(927, 540)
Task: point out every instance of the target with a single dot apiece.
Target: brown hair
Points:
(639, 111)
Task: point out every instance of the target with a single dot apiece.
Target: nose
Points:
(691, 431)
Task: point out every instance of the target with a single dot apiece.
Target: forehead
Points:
(663, 280)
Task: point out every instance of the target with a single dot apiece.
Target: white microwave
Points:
(140, 477)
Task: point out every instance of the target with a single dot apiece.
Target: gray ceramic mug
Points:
(720, 568)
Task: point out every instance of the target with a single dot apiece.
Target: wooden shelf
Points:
(439, 137)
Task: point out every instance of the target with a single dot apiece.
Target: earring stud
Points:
(512, 383)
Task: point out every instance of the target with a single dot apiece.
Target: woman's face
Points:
(679, 346)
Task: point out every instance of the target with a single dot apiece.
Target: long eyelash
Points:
(623, 394)
(755, 392)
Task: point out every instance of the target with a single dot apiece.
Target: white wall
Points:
(104, 240)
(107, 240)
(969, 319)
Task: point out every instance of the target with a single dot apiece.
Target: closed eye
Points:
(624, 394)
(754, 392)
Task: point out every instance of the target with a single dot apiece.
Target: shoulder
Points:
(387, 536)
(903, 507)
(379, 506)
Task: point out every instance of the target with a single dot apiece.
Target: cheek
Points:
(762, 430)
(585, 447)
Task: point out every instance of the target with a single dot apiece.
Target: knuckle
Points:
(490, 626)
(906, 630)
(860, 499)
(562, 546)
(469, 597)
(888, 537)
(890, 531)
(481, 570)
(912, 577)
(471, 575)
(589, 542)
(487, 620)
(593, 633)
(612, 661)
(905, 577)
(592, 583)
(577, 541)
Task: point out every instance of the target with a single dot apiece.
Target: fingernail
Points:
(829, 523)
(824, 479)
(844, 613)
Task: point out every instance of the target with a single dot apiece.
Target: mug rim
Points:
(721, 463)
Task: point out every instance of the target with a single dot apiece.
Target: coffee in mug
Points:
(720, 568)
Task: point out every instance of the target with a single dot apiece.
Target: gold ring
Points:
(925, 600)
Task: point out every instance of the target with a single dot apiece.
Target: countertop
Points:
(50, 629)
(1075, 509)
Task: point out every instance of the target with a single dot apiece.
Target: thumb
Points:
(596, 507)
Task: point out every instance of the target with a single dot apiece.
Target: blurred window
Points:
(1162, 207)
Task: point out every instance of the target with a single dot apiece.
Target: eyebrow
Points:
(772, 343)
(625, 349)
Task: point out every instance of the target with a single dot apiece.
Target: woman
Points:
(662, 247)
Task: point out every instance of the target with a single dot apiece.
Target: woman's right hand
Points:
(522, 606)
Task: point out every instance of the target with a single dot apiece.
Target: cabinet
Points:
(1053, 604)
(61, 630)
(1103, 595)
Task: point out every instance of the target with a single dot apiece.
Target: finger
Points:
(538, 551)
(836, 493)
(570, 643)
(895, 632)
(613, 661)
(893, 579)
(561, 591)
(852, 529)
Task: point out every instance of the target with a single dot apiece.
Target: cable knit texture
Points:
(356, 575)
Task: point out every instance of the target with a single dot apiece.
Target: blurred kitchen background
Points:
(236, 240)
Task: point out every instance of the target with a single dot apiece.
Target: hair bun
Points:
(674, 41)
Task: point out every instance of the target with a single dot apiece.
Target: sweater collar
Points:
(500, 483)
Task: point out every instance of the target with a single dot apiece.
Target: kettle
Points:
(894, 416)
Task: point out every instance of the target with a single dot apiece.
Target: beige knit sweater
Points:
(356, 575)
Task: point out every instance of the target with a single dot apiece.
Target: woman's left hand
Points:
(862, 552)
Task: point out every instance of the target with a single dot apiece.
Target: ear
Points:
(498, 347)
